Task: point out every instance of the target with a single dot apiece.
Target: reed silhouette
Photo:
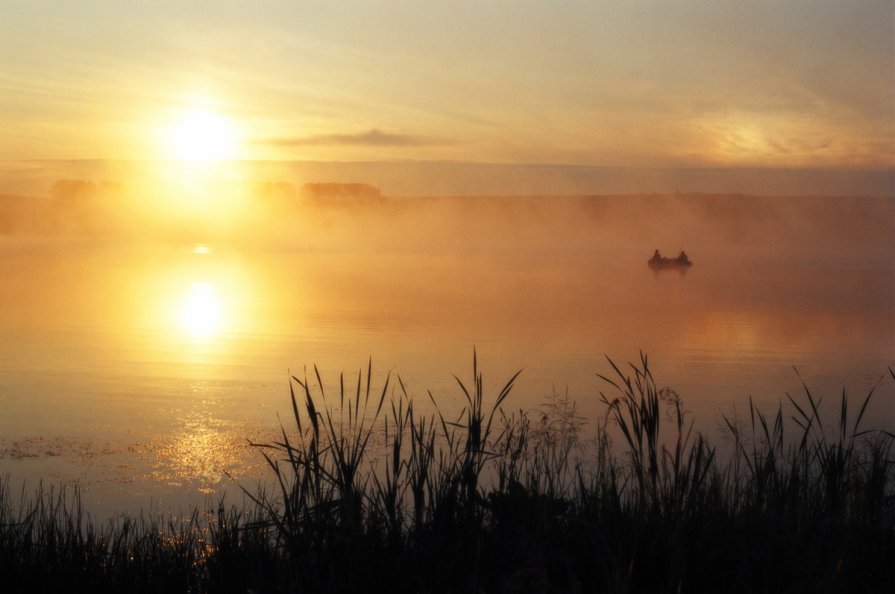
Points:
(368, 490)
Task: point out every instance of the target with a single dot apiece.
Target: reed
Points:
(670, 481)
(367, 490)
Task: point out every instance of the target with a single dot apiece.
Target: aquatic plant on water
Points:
(367, 489)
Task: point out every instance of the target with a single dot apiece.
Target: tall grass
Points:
(369, 492)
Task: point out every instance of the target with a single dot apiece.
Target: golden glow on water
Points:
(202, 451)
(199, 453)
(201, 314)
(183, 347)
(197, 301)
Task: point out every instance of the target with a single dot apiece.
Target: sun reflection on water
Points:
(204, 299)
(200, 454)
(201, 313)
(201, 304)
(203, 454)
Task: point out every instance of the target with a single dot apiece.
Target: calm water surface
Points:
(139, 370)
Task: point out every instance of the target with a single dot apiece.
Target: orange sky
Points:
(801, 83)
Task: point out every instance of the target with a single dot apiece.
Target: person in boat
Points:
(656, 257)
(682, 258)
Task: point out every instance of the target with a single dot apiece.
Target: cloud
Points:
(373, 137)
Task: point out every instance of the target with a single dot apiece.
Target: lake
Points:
(139, 366)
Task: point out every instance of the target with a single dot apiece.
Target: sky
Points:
(641, 83)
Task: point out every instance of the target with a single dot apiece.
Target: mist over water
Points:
(138, 352)
(464, 178)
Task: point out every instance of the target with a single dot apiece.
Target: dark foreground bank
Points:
(500, 502)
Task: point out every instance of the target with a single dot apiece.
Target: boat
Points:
(660, 261)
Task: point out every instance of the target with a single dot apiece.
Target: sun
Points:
(202, 135)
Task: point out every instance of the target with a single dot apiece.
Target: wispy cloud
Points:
(373, 137)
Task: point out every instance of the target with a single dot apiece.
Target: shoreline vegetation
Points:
(502, 501)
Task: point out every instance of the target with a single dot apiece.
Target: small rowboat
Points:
(657, 261)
